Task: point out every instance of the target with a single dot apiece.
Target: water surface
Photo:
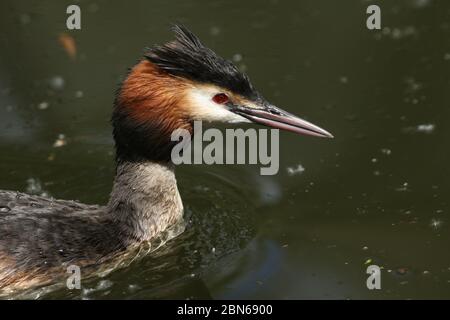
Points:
(376, 194)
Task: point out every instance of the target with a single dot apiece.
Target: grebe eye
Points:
(220, 98)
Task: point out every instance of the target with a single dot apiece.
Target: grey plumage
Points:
(40, 237)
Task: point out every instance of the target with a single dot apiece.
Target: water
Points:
(376, 194)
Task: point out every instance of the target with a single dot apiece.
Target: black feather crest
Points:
(187, 57)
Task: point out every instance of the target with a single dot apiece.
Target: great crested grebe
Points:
(172, 86)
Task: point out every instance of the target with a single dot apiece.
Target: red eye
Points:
(220, 98)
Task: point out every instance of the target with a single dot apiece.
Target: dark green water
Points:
(376, 194)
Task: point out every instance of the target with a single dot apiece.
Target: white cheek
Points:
(204, 108)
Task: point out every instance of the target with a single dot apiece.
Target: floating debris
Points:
(295, 170)
(43, 105)
(402, 271)
(404, 187)
(60, 141)
(69, 45)
(368, 261)
(436, 223)
(426, 128)
(386, 151)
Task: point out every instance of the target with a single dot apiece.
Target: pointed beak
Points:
(274, 117)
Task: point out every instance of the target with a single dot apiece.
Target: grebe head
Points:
(183, 81)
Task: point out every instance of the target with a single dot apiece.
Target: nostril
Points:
(274, 111)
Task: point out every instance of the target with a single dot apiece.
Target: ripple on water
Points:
(219, 222)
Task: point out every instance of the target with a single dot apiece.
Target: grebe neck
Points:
(145, 200)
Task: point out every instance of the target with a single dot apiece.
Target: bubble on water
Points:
(60, 141)
(299, 169)
(79, 94)
(374, 160)
(447, 56)
(57, 83)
